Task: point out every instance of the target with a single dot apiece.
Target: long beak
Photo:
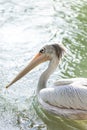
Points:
(39, 58)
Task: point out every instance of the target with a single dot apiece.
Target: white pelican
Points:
(68, 97)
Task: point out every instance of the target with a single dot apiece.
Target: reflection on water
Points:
(57, 123)
(28, 25)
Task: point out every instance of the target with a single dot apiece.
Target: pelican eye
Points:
(42, 50)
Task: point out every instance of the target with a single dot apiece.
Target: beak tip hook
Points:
(7, 86)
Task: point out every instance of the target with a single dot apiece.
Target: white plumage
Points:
(68, 97)
(72, 95)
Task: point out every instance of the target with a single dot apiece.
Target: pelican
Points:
(67, 97)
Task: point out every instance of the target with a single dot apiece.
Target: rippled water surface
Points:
(25, 26)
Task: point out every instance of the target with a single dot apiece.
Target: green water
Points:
(74, 37)
(25, 26)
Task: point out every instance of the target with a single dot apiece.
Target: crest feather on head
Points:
(59, 49)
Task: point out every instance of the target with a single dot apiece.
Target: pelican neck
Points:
(46, 74)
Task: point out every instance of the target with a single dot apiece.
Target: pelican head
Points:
(46, 53)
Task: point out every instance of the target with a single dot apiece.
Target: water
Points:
(28, 25)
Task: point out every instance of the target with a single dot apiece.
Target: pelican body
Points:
(68, 97)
